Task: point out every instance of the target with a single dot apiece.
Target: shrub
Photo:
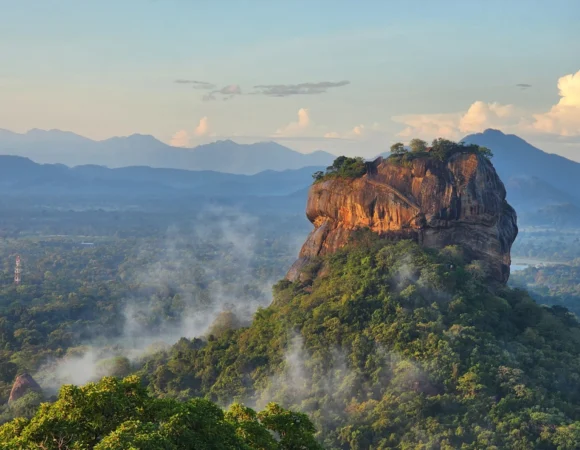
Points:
(342, 167)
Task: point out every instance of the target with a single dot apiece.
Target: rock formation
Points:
(457, 202)
(22, 385)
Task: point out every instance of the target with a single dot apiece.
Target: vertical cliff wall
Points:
(460, 201)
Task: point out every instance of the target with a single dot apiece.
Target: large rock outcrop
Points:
(457, 202)
(22, 385)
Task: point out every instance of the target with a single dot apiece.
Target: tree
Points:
(318, 175)
(116, 414)
(417, 145)
(398, 149)
(249, 427)
(486, 152)
(343, 167)
(119, 366)
(295, 429)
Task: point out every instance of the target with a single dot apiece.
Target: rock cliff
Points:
(457, 202)
(22, 385)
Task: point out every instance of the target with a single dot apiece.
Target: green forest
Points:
(116, 414)
(384, 346)
(557, 284)
(396, 347)
(112, 296)
(306, 225)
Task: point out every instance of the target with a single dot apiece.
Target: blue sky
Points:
(104, 68)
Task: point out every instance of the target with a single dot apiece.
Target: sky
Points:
(342, 76)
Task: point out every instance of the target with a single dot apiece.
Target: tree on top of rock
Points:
(398, 149)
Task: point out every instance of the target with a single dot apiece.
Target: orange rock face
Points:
(458, 202)
(22, 385)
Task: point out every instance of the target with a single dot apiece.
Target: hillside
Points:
(55, 146)
(397, 347)
(398, 335)
(387, 341)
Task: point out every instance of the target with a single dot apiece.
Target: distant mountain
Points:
(544, 187)
(21, 176)
(54, 146)
(537, 182)
(532, 192)
(514, 157)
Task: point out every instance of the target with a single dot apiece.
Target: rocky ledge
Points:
(461, 201)
(23, 384)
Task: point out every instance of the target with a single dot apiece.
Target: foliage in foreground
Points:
(396, 347)
(116, 414)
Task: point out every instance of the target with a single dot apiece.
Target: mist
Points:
(177, 291)
(340, 380)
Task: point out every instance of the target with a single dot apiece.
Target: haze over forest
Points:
(280, 226)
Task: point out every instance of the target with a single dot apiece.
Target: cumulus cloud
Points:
(427, 126)
(197, 84)
(564, 117)
(481, 115)
(202, 128)
(183, 138)
(296, 128)
(359, 132)
(286, 90)
(180, 139)
(478, 117)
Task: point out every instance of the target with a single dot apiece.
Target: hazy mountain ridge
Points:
(19, 175)
(536, 181)
(143, 150)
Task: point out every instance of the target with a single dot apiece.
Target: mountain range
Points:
(544, 187)
(55, 146)
(22, 176)
(537, 182)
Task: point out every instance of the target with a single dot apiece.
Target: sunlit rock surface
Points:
(458, 202)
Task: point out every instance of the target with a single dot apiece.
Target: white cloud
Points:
(428, 126)
(183, 138)
(180, 139)
(298, 128)
(358, 132)
(478, 117)
(202, 128)
(564, 117)
(481, 115)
